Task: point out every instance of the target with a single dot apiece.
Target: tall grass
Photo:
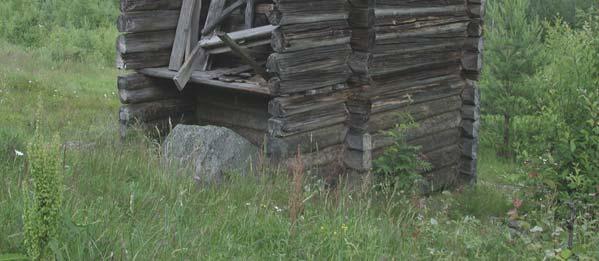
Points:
(62, 29)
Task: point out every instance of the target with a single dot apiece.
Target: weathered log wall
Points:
(310, 68)
(420, 58)
(342, 72)
(148, 30)
(153, 104)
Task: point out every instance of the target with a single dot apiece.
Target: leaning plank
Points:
(182, 77)
(212, 24)
(205, 78)
(183, 30)
(243, 54)
(214, 11)
(250, 13)
(200, 54)
(194, 31)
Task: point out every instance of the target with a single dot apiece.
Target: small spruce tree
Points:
(513, 42)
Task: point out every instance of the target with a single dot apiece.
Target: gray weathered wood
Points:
(243, 54)
(250, 13)
(148, 21)
(205, 78)
(182, 35)
(212, 24)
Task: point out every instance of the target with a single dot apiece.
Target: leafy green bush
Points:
(401, 163)
(569, 105)
(43, 198)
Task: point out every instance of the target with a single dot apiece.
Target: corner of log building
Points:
(342, 70)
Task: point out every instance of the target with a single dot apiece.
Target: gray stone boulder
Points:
(209, 151)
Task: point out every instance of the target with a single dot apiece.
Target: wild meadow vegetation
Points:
(536, 197)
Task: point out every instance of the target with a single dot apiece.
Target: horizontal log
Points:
(147, 94)
(321, 158)
(475, 28)
(225, 115)
(307, 121)
(358, 160)
(441, 179)
(155, 128)
(145, 112)
(132, 61)
(300, 12)
(468, 168)
(427, 143)
(476, 8)
(388, 119)
(416, 3)
(472, 62)
(136, 81)
(469, 148)
(443, 157)
(474, 44)
(147, 21)
(286, 42)
(297, 104)
(470, 129)
(470, 112)
(471, 93)
(206, 78)
(394, 16)
(312, 141)
(145, 42)
(435, 124)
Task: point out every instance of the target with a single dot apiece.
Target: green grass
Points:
(121, 204)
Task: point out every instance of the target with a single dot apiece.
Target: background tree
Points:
(513, 42)
(566, 10)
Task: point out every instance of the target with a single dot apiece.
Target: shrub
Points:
(43, 196)
(401, 163)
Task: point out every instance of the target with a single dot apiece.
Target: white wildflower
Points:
(434, 222)
(536, 229)
(558, 231)
(278, 209)
(19, 154)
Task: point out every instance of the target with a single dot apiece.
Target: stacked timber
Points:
(310, 71)
(471, 65)
(153, 104)
(409, 58)
(148, 30)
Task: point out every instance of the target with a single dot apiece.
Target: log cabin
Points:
(325, 77)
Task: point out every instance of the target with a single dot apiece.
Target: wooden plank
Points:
(200, 54)
(194, 32)
(250, 13)
(214, 11)
(205, 78)
(182, 77)
(181, 37)
(212, 24)
(243, 54)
